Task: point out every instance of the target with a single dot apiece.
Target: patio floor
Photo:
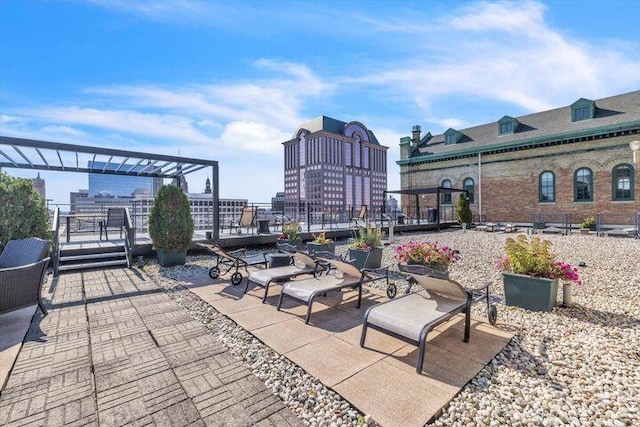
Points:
(116, 350)
(380, 379)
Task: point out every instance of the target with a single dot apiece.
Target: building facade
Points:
(333, 167)
(39, 185)
(107, 185)
(571, 160)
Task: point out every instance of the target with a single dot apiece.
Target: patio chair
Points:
(233, 260)
(19, 252)
(303, 264)
(346, 275)
(116, 218)
(412, 316)
(247, 219)
(363, 215)
(21, 286)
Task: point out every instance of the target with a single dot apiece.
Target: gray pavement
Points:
(115, 350)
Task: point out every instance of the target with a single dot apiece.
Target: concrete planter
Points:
(313, 247)
(366, 259)
(296, 243)
(168, 259)
(531, 293)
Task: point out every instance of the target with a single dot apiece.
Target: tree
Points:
(23, 213)
(463, 211)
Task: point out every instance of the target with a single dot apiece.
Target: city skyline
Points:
(232, 81)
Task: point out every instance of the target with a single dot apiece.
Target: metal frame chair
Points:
(116, 218)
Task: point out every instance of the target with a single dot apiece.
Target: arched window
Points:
(468, 185)
(446, 197)
(583, 185)
(622, 181)
(547, 187)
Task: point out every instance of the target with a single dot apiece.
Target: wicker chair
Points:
(22, 272)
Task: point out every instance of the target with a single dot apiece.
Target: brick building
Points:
(571, 160)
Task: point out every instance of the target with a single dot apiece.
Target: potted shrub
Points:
(588, 224)
(289, 235)
(321, 243)
(429, 254)
(463, 212)
(531, 273)
(366, 251)
(171, 225)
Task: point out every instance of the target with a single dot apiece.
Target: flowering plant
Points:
(431, 254)
(533, 257)
(370, 238)
(289, 231)
(321, 238)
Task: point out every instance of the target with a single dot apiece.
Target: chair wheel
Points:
(493, 314)
(392, 290)
(214, 272)
(236, 279)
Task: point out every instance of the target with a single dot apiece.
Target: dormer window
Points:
(582, 109)
(452, 136)
(507, 125)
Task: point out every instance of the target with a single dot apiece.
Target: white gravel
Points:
(578, 365)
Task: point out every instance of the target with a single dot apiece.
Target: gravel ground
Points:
(578, 365)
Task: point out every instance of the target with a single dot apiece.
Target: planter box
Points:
(585, 230)
(531, 293)
(321, 247)
(296, 243)
(366, 259)
(168, 259)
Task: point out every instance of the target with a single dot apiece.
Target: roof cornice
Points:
(553, 139)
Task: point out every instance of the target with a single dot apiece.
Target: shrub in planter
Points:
(531, 273)
(289, 235)
(171, 225)
(589, 223)
(321, 243)
(23, 213)
(463, 211)
(366, 251)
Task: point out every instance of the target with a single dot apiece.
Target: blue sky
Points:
(231, 80)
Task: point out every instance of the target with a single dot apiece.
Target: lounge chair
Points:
(412, 316)
(116, 218)
(247, 219)
(303, 264)
(233, 260)
(346, 275)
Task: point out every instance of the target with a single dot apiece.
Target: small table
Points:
(263, 226)
(280, 260)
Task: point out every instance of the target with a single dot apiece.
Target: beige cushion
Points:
(267, 275)
(304, 289)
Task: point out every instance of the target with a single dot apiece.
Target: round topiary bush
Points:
(23, 212)
(170, 221)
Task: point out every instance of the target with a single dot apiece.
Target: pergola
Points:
(38, 155)
(418, 191)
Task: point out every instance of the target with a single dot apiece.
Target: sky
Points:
(231, 80)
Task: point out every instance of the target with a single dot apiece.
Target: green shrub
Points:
(588, 222)
(170, 221)
(463, 211)
(23, 213)
(370, 238)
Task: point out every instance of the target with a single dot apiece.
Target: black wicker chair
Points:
(22, 272)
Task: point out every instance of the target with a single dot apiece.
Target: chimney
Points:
(415, 135)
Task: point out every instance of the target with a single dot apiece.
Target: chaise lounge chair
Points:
(233, 260)
(412, 316)
(348, 276)
(305, 265)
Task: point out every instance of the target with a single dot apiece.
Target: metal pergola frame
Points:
(417, 192)
(31, 154)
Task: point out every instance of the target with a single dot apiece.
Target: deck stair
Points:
(92, 257)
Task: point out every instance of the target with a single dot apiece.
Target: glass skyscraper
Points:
(106, 185)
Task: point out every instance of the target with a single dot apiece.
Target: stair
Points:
(92, 258)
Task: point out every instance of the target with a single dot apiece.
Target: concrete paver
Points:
(115, 350)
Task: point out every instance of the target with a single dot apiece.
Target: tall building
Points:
(277, 202)
(39, 186)
(333, 166)
(107, 185)
(570, 160)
